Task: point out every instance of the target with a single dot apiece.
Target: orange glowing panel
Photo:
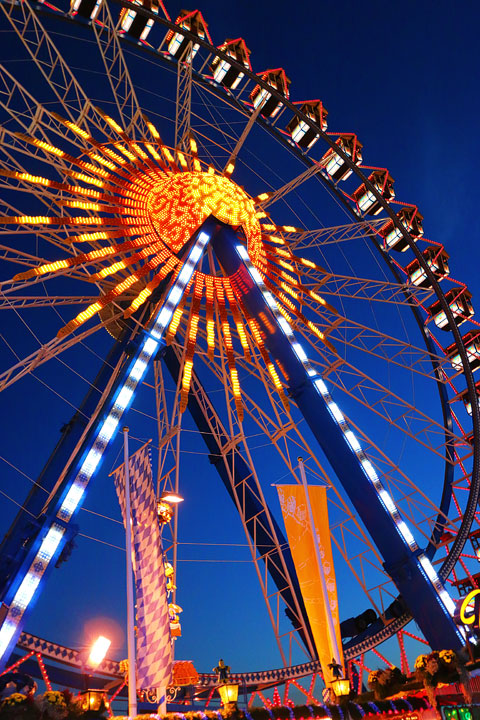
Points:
(175, 321)
(236, 318)
(229, 348)
(209, 292)
(192, 341)
(40, 144)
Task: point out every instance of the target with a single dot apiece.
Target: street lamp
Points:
(229, 696)
(93, 700)
(341, 687)
(97, 654)
(164, 505)
(98, 651)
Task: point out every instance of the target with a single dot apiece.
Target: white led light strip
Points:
(149, 347)
(350, 437)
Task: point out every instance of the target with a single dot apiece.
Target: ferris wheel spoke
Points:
(26, 301)
(183, 105)
(45, 55)
(293, 184)
(357, 288)
(382, 345)
(233, 155)
(43, 354)
(396, 411)
(117, 72)
(335, 234)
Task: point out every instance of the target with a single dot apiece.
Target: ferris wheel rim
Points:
(439, 292)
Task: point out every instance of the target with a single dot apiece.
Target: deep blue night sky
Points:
(404, 77)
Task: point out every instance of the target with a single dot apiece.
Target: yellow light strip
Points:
(273, 239)
(152, 151)
(175, 322)
(182, 159)
(229, 348)
(171, 263)
(278, 385)
(153, 130)
(192, 341)
(127, 262)
(41, 144)
(236, 318)
(141, 153)
(229, 169)
(209, 293)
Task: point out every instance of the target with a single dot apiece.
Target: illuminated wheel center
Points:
(180, 202)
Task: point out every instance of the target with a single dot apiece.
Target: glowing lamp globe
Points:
(171, 497)
(228, 693)
(341, 687)
(98, 651)
(93, 700)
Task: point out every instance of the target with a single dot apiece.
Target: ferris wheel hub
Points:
(180, 202)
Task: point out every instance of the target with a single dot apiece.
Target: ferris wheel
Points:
(224, 240)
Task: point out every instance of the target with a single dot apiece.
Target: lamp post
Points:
(132, 664)
(228, 691)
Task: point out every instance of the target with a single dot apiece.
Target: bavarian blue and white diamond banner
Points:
(154, 656)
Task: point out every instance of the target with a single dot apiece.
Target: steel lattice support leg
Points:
(54, 527)
(407, 565)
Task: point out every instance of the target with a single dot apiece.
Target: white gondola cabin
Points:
(471, 341)
(85, 8)
(262, 98)
(465, 398)
(223, 71)
(136, 25)
(366, 200)
(459, 301)
(334, 165)
(412, 221)
(301, 133)
(437, 260)
(178, 44)
(466, 585)
(475, 540)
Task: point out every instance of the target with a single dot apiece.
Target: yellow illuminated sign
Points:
(468, 619)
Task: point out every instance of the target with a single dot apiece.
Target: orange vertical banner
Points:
(301, 541)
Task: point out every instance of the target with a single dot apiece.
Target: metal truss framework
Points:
(183, 107)
(232, 460)
(351, 232)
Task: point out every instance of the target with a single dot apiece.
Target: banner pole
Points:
(132, 664)
(328, 611)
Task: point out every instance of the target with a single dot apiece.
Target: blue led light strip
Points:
(149, 346)
(386, 499)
